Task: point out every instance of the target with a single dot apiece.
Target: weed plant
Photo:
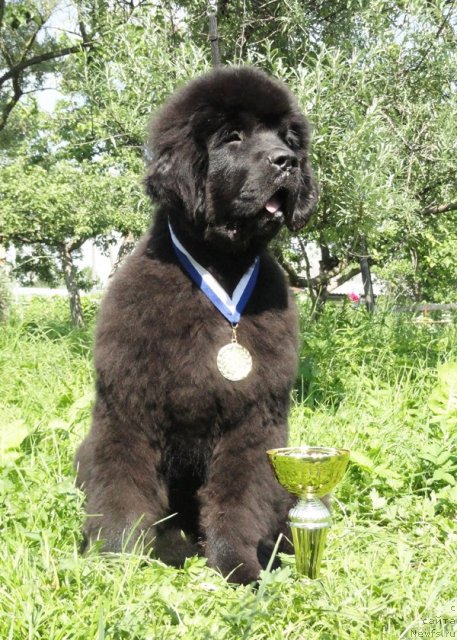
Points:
(381, 386)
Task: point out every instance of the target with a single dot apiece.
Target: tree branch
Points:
(307, 268)
(328, 279)
(74, 244)
(327, 276)
(19, 237)
(9, 106)
(43, 57)
(294, 279)
(342, 278)
(433, 209)
(31, 40)
(437, 35)
(71, 245)
(394, 128)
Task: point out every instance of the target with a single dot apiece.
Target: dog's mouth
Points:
(272, 214)
(265, 223)
(275, 207)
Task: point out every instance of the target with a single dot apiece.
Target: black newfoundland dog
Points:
(176, 453)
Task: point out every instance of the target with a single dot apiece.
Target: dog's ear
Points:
(177, 172)
(307, 198)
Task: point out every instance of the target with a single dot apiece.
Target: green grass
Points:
(377, 386)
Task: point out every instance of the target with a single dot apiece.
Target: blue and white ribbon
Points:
(230, 307)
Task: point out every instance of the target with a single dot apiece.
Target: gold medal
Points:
(234, 361)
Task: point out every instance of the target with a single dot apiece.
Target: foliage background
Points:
(376, 78)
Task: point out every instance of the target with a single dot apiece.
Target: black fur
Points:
(169, 433)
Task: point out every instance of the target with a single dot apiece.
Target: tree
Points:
(61, 206)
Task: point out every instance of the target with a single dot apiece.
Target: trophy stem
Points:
(309, 521)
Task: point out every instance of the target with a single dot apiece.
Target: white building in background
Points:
(355, 285)
(99, 263)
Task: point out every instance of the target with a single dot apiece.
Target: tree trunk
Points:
(214, 40)
(69, 274)
(5, 290)
(311, 292)
(366, 277)
(326, 265)
(126, 248)
(2, 256)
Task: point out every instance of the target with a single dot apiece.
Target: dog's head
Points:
(230, 158)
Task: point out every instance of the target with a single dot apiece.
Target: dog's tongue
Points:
(273, 205)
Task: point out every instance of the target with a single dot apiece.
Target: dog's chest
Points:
(162, 331)
(198, 393)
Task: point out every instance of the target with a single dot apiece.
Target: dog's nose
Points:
(284, 160)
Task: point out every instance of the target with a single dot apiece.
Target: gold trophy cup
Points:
(309, 473)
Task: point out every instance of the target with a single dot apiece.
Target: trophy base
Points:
(309, 521)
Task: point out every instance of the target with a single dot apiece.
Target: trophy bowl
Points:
(309, 473)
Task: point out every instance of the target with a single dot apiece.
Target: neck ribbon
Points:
(230, 307)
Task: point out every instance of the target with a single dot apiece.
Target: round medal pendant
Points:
(234, 361)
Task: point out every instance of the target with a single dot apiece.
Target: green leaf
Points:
(362, 461)
(386, 472)
(440, 474)
(11, 437)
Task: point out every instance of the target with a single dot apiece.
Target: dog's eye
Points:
(292, 139)
(233, 136)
